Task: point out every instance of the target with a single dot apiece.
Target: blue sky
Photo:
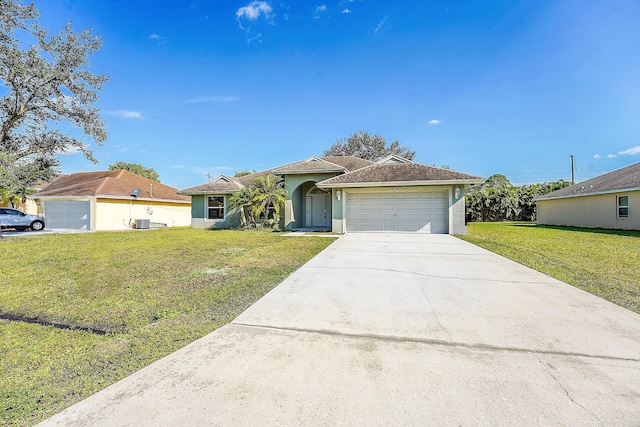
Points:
(209, 87)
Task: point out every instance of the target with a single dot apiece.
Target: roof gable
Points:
(393, 159)
(221, 184)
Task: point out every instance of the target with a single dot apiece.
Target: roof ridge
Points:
(335, 164)
(104, 181)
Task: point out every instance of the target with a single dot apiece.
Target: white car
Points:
(13, 218)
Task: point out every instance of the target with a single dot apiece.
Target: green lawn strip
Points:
(155, 291)
(602, 262)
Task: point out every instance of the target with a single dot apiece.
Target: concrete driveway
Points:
(396, 329)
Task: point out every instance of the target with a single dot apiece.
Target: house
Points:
(347, 194)
(611, 201)
(111, 200)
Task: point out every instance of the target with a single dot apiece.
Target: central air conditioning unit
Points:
(142, 224)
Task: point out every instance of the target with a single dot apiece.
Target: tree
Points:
(46, 84)
(270, 193)
(498, 200)
(361, 144)
(238, 174)
(136, 168)
(243, 201)
(255, 200)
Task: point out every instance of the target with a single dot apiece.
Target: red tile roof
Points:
(114, 184)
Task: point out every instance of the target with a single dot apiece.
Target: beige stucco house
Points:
(111, 200)
(611, 201)
(346, 194)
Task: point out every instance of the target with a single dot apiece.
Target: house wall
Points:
(337, 222)
(457, 211)
(297, 187)
(199, 213)
(597, 211)
(118, 214)
(198, 206)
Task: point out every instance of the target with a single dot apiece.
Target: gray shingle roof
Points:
(399, 172)
(621, 179)
(311, 165)
(352, 170)
(350, 163)
(221, 185)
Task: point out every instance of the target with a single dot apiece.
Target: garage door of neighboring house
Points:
(70, 214)
(422, 212)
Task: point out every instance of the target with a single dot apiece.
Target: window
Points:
(215, 207)
(623, 206)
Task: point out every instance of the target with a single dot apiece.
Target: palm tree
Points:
(270, 192)
(254, 200)
(243, 201)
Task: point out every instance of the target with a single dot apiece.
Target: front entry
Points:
(318, 208)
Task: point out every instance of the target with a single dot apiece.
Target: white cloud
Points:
(611, 156)
(127, 114)
(155, 36)
(380, 25)
(124, 150)
(597, 156)
(631, 151)
(177, 166)
(253, 10)
(346, 11)
(322, 8)
(257, 37)
(434, 122)
(199, 99)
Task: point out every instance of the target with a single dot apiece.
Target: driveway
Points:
(396, 329)
(27, 233)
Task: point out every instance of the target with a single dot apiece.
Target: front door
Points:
(319, 210)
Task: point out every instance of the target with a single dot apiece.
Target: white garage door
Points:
(423, 212)
(70, 214)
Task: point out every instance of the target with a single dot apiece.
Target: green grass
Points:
(152, 292)
(605, 263)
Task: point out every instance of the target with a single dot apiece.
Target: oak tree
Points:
(136, 168)
(369, 147)
(47, 102)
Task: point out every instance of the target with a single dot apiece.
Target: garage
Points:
(403, 211)
(68, 214)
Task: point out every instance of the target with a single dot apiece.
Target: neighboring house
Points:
(347, 194)
(111, 200)
(611, 200)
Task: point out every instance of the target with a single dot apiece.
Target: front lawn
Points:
(128, 298)
(605, 263)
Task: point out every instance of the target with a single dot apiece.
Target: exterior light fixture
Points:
(338, 194)
(457, 192)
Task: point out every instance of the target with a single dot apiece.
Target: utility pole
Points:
(573, 172)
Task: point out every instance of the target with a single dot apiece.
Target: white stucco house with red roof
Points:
(111, 200)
